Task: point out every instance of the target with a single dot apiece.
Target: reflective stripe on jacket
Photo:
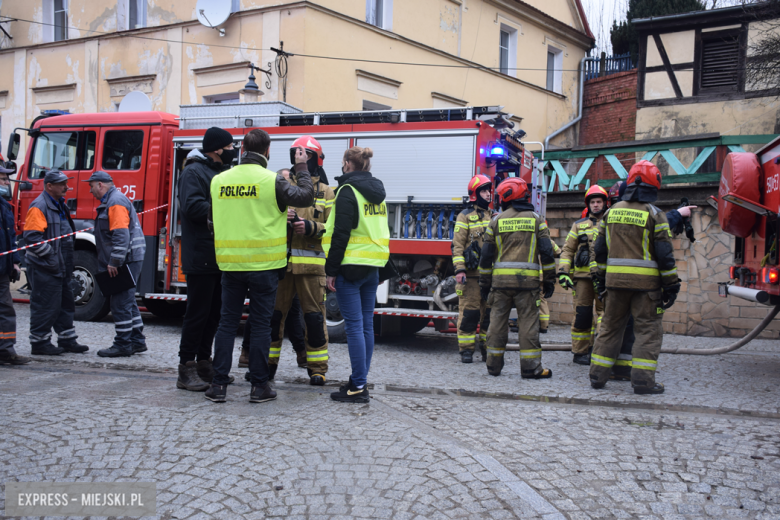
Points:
(470, 225)
(582, 229)
(118, 235)
(250, 231)
(42, 222)
(306, 254)
(369, 242)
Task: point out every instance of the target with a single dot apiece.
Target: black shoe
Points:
(206, 370)
(189, 378)
(74, 347)
(542, 331)
(657, 388)
(582, 359)
(137, 349)
(261, 394)
(546, 373)
(596, 384)
(317, 380)
(114, 352)
(46, 349)
(494, 371)
(248, 377)
(349, 393)
(467, 356)
(216, 393)
(14, 360)
(271, 372)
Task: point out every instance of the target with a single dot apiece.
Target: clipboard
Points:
(123, 281)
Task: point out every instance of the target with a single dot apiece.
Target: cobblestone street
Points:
(439, 439)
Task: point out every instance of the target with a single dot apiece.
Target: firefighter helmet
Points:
(513, 188)
(310, 144)
(645, 173)
(614, 192)
(595, 191)
(477, 183)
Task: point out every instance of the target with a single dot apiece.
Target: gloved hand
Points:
(565, 281)
(599, 285)
(669, 295)
(548, 288)
(460, 278)
(484, 292)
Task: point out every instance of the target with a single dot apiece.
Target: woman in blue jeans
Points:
(357, 243)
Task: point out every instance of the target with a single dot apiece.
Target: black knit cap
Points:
(215, 139)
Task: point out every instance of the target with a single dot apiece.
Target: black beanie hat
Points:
(215, 139)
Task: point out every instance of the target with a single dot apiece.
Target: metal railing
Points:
(608, 65)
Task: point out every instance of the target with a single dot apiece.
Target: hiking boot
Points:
(300, 357)
(582, 359)
(262, 394)
(114, 352)
(206, 371)
(137, 349)
(216, 393)
(14, 359)
(596, 384)
(75, 347)
(349, 393)
(546, 373)
(189, 378)
(466, 356)
(317, 380)
(651, 389)
(243, 359)
(46, 349)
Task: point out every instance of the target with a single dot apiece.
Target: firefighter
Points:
(306, 269)
(50, 269)
(467, 243)
(517, 250)
(119, 240)
(636, 270)
(576, 253)
(544, 307)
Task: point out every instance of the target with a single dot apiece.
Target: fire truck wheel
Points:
(165, 309)
(91, 305)
(336, 331)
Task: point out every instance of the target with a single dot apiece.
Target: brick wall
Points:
(698, 311)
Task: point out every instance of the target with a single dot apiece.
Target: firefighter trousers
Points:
(311, 292)
(472, 311)
(622, 367)
(584, 328)
(648, 329)
(527, 305)
(544, 313)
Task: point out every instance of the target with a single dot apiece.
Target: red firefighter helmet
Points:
(477, 183)
(614, 192)
(596, 191)
(513, 188)
(309, 143)
(645, 173)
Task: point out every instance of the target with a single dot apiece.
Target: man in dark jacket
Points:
(9, 270)
(199, 262)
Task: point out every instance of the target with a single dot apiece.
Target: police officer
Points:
(249, 211)
(120, 241)
(576, 252)
(512, 270)
(9, 272)
(636, 267)
(306, 268)
(467, 241)
(50, 268)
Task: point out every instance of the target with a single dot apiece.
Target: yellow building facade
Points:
(85, 55)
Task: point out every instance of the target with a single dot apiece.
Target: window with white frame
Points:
(60, 20)
(136, 15)
(554, 70)
(507, 50)
(380, 13)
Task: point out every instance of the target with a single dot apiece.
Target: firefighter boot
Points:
(651, 389)
(466, 356)
(583, 359)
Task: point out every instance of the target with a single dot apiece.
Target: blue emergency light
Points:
(496, 151)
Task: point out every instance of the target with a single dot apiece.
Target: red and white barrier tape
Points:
(68, 234)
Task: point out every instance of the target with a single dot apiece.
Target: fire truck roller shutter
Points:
(415, 166)
(741, 176)
(333, 148)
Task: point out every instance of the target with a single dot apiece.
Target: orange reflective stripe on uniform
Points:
(118, 217)
(35, 221)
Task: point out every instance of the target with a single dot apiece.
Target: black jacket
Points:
(194, 194)
(7, 238)
(346, 220)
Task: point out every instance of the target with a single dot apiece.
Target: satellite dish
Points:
(135, 102)
(213, 13)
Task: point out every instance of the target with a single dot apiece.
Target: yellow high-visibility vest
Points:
(369, 243)
(250, 231)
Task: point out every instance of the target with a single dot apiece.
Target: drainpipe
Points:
(579, 112)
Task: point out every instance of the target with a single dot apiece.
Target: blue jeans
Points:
(356, 301)
(262, 285)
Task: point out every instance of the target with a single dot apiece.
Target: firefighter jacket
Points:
(634, 249)
(118, 235)
(469, 226)
(576, 250)
(48, 218)
(517, 250)
(306, 254)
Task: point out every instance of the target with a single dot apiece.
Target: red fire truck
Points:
(424, 157)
